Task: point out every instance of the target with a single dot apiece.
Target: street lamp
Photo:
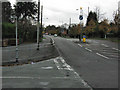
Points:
(16, 42)
(15, 18)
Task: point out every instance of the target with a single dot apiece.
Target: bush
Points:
(8, 30)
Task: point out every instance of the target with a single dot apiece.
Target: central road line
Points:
(88, 49)
(104, 45)
(102, 55)
(116, 49)
(79, 45)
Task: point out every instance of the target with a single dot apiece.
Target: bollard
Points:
(84, 38)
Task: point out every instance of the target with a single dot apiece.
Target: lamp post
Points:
(16, 42)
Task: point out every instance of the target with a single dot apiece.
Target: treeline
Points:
(93, 28)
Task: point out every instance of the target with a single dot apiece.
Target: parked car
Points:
(55, 35)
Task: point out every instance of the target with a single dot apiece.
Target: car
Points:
(55, 35)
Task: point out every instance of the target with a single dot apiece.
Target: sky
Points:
(59, 12)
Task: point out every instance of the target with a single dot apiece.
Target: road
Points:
(80, 65)
(96, 62)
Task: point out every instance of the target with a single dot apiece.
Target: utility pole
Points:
(88, 10)
(69, 26)
(38, 24)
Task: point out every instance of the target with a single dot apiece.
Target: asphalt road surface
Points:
(96, 62)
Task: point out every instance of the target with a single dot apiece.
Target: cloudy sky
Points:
(59, 11)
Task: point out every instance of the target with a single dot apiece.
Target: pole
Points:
(16, 42)
(88, 10)
(81, 14)
(69, 26)
(38, 24)
(41, 20)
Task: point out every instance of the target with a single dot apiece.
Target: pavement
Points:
(27, 53)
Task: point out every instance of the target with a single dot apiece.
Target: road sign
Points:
(81, 17)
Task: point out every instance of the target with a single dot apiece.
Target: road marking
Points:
(23, 77)
(105, 45)
(65, 66)
(102, 55)
(88, 49)
(116, 49)
(47, 68)
(80, 45)
(57, 64)
(109, 52)
(95, 41)
(87, 44)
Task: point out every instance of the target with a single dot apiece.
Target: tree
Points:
(90, 29)
(92, 16)
(6, 11)
(104, 27)
(75, 30)
(115, 16)
(25, 10)
(100, 15)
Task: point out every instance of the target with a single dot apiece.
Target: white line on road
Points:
(88, 49)
(87, 44)
(105, 45)
(102, 55)
(79, 45)
(68, 67)
(116, 49)
(57, 64)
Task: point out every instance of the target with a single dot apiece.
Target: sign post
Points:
(81, 18)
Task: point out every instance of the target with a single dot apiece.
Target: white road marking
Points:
(23, 77)
(80, 45)
(87, 44)
(68, 67)
(102, 55)
(88, 49)
(47, 68)
(116, 49)
(105, 45)
(57, 64)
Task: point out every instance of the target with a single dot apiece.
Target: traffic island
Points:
(28, 53)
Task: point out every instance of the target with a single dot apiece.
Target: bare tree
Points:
(115, 17)
(100, 14)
